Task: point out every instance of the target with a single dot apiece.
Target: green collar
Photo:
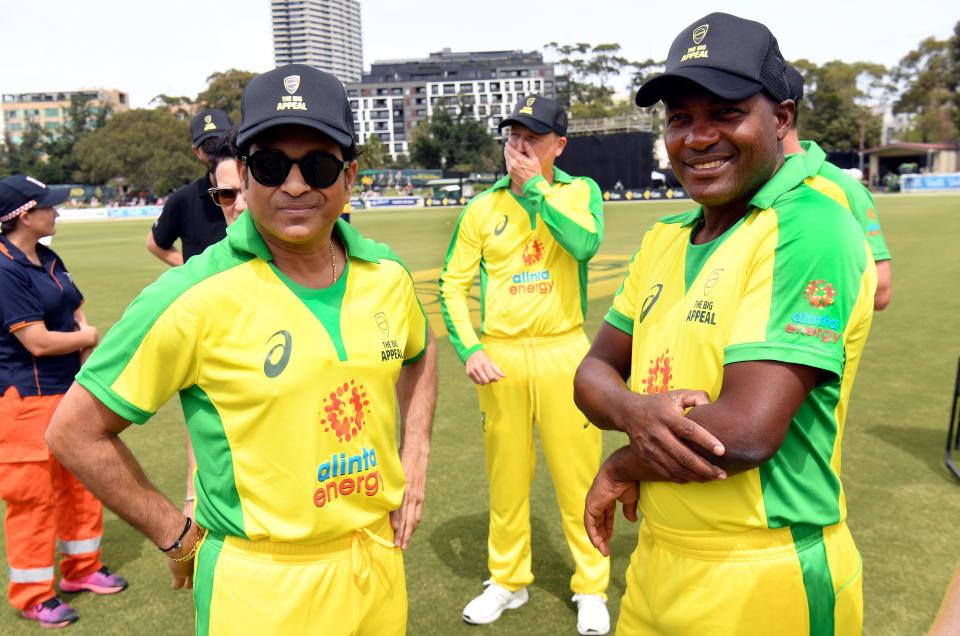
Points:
(558, 176)
(814, 156)
(243, 236)
(789, 176)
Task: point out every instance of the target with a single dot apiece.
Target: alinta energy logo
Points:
(820, 293)
(531, 282)
(345, 410)
(659, 374)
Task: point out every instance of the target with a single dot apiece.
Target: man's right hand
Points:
(90, 332)
(601, 502)
(481, 369)
(659, 434)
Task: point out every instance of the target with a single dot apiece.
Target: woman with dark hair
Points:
(44, 338)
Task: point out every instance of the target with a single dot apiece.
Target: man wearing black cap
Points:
(751, 311)
(829, 179)
(531, 235)
(292, 343)
(189, 213)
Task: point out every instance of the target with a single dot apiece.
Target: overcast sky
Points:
(172, 46)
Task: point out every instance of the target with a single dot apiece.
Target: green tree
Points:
(456, 143)
(180, 105)
(142, 149)
(373, 153)
(223, 91)
(927, 78)
(83, 117)
(838, 105)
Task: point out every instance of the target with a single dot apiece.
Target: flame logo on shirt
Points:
(532, 252)
(344, 410)
(820, 293)
(659, 375)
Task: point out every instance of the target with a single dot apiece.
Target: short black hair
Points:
(226, 148)
(9, 226)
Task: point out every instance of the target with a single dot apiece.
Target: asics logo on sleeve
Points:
(279, 354)
(501, 226)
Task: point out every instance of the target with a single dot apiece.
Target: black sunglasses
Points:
(319, 169)
(223, 197)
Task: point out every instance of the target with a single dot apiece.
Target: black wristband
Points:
(177, 544)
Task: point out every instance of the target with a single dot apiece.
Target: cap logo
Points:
(528, 109)
(291, 83)
(208, 123)
(698, 50)
(700, 32)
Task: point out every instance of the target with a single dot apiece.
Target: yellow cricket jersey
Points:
(792, 281)
(288, 392)
(830, 180)
(532, 252)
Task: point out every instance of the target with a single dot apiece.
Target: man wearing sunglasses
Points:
(531, 235)
(189, 214)
(292, 343)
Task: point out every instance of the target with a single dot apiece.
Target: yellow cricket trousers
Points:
(538, 389)
(802, 580)
(352, 586)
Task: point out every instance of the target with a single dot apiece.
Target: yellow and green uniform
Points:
(288, 395)
(767, 550)
(830, 180)
(532, 253)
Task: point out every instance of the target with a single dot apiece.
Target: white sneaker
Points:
(488, 607)
(593, 619)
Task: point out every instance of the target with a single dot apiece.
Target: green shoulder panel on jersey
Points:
(683, 218)
(122, 341)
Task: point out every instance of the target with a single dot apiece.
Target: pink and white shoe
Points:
(103, 581)
(52, 613)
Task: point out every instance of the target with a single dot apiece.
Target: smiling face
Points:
(723, 151)
(294, 213)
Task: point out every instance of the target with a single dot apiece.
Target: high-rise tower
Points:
(322, 33)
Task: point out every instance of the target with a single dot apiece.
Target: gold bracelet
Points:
(201, 533)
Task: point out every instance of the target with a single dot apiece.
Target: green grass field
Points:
(904, 506)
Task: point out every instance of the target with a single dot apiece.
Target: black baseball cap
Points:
(729, 56)
(19, 194)
(296, 94)
(794, 85)
(208, 123)
(538, 113)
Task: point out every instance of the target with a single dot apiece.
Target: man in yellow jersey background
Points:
(829, 179)
(531, 236)
(291, 343)
(740, 312)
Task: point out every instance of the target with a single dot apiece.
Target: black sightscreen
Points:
(624, 157)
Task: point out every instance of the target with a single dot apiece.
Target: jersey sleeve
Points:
(802, 289)
(623, 312)
(464, 255)
(18, 305)
(577, 227)
(865, 211)
(167, 227)
(149, 355)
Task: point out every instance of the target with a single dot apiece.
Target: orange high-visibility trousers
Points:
(45, 502)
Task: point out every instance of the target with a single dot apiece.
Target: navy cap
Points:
(19, 194)
(296, 94)
(538, 113)
(794, 85)
(208, 123)
(729, 56)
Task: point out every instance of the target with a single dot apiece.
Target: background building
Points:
(396, 95)
(322, 33)
(52, 110)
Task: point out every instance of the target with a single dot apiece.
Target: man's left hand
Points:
(522, 163)
(406, 518)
